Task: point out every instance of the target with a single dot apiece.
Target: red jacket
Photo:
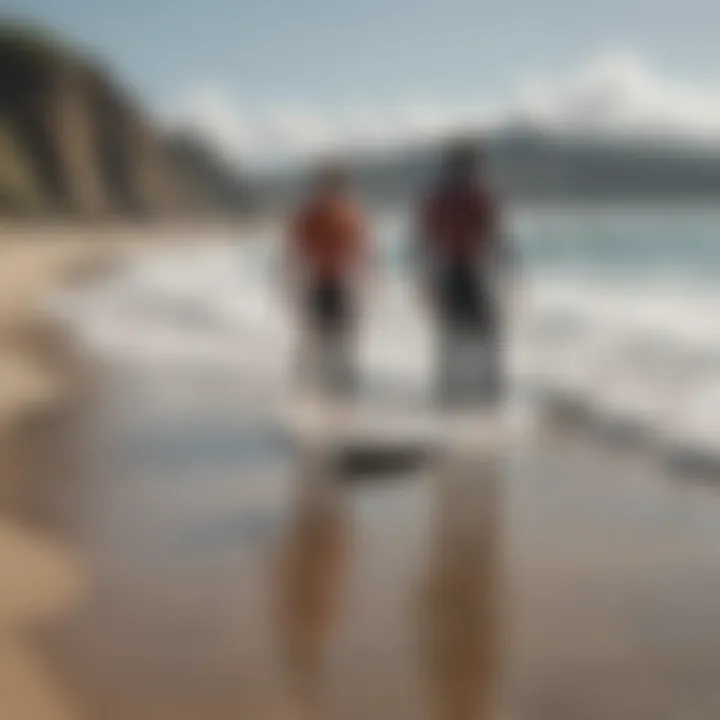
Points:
(328, 237)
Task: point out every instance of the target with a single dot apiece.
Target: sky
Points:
(262, 74)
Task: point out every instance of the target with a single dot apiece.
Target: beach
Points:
(42, 374)
(187, 575)
(173, 552)
(35, 263)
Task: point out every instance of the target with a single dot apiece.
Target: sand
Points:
(39, 575)
(185, 578)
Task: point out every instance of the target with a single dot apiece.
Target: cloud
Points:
(620, 94)
(288, 132)
(616, 93)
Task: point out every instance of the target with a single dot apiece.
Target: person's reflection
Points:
(314, 561)
(462, 613)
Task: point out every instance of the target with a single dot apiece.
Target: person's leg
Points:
(449, 310)
(306, 342)
(487, 337)
(469, 337)
(346, 340)
(338, 337)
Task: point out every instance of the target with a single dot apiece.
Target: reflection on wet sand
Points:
(463, 610)
(314, 569)
(458, 617)
(172, 585)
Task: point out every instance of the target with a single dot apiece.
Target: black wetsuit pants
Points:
(330, 307)
(468, 328)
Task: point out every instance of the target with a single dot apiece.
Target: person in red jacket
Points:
(328, 250)
(460, 243)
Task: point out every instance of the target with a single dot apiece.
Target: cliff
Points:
(75, 142)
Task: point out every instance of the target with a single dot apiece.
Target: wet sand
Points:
(181, 561)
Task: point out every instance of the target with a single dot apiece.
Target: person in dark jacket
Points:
(460, 249)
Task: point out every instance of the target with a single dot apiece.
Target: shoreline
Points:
(35, 263)
(41, 257)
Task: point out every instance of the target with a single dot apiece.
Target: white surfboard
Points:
(374, 438)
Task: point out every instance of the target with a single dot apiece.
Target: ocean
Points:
(615, 313)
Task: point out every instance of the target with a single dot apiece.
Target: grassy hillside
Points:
(19, 191)
(75, 142)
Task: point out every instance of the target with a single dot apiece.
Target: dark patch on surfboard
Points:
(693, 464)
(367, 461)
